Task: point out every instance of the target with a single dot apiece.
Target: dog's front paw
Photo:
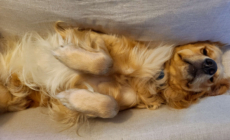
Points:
(67, 55)
(89, 103)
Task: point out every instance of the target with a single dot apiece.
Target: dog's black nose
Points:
(209, 66)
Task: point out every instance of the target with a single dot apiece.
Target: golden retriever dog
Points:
(79, 74)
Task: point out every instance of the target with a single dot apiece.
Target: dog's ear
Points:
(217, 44)
(180, 99)
(175, 98)
(220, 88)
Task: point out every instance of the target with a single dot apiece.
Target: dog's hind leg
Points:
(9, 102)
(14, 96)
(92, 104)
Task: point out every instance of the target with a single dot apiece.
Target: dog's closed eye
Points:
(204, 52)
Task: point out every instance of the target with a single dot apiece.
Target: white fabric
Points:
(177, 21)
(207, 120)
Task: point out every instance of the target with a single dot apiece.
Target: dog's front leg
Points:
(83, 60)
(90, 103)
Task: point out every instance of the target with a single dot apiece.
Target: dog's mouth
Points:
(192, 71)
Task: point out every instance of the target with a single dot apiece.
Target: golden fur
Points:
(80, 74)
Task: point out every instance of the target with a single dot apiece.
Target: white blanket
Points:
(177, 21)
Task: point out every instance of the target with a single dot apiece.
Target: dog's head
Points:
(195, 70)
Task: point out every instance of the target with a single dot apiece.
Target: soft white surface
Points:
(179, 21)
(226, 60)
(207, 120)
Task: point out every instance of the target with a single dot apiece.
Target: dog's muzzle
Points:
(209, 66)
